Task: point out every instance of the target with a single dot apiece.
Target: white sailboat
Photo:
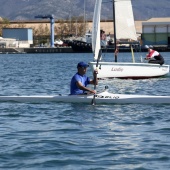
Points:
(124, 27)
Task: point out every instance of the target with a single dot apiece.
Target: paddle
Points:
(97, 63)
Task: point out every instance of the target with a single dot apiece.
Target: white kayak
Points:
(100, 98)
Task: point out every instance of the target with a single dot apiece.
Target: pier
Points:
(36, 50)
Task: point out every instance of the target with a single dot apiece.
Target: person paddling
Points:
(153, 56)
(80, 81)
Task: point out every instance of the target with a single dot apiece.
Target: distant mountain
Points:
(64, 9)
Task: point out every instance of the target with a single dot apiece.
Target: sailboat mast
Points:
(114, 26)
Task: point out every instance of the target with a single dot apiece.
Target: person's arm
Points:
(94, 81)
(148, 56)
(152, 54)
(81, 87)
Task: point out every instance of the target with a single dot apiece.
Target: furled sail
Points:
(125, 26)
(96, 29)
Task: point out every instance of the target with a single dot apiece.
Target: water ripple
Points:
(77, 136)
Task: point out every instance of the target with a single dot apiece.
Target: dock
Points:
(36, 50)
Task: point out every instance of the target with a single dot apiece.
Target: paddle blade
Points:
(93, 102)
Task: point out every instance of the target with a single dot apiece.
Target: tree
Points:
(78, 26)
(4, 24)
(74, 26)
(62, 29)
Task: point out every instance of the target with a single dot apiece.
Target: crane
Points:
(51, 17)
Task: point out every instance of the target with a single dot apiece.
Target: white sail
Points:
(96, 29)
(125, 26)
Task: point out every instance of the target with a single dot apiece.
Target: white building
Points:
(17, 37)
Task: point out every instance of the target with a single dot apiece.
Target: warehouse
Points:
(22, 37)
(156, 31)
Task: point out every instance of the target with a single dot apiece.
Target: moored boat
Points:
(129, 70)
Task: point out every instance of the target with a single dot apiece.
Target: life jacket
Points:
(150, 54)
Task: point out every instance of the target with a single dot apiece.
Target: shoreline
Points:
(70, 50)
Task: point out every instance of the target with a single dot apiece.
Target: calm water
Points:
(76, 136)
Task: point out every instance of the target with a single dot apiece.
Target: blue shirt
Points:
(77, 77)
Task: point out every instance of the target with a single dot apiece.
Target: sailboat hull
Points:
(129, 70)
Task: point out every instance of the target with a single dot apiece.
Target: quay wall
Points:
(70, 50)
(36, 50)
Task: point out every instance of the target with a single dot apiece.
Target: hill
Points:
(27, 9)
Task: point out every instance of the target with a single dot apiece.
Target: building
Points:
(106, 25)
(7, 42)
(17, 37)
(156, 31)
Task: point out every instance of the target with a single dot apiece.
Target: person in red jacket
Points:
(153, 56)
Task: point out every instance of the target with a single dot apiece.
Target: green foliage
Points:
(74, 26)
(5, 23)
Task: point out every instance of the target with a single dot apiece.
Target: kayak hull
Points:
(101, 98)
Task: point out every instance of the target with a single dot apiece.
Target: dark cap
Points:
(82, 64)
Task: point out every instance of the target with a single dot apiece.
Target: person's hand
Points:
(90, 91)
(95, 72)
(93, 91)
